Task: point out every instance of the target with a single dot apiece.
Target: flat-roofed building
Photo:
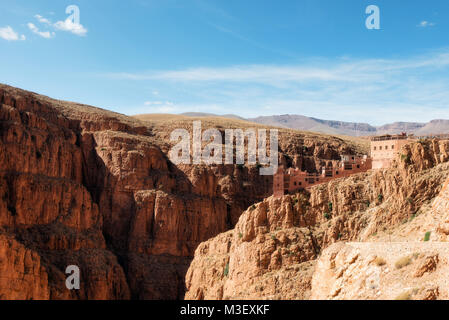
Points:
(292, 179)
(384, 149)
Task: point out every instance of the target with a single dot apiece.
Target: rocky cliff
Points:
(279, 245)
(83, 186)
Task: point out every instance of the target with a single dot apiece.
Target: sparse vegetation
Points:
(273, 237)
(368, 203)
(379, 261)
(404, 296)
(405, 158)
(330, 206)
(403, 262)
(327, 215)
(253, 207)
(240, 235)
(380, 197)
(226, 270)
(427, 236)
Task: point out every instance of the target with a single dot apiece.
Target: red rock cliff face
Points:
(83, 186)
(271, 252)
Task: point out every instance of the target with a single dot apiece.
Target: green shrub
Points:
(240, 235)
(330, 206)
(380, 197)
(427, 236)
(327, 215)
(226, 270)
(405, 158)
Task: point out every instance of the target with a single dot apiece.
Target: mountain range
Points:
(300, 122)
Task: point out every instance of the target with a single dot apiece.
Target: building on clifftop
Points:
(384, 149)
(292, 179)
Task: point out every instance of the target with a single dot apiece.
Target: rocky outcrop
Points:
(85, 186)
(385, 206)
(365, 204)
(264, 257)
(382, 271)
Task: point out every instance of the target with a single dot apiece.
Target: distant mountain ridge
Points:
(205, 114)
(299, 122)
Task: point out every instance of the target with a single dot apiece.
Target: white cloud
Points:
(319, 70)
(41, 19)
(70, 26)
(8, 33)
(158, 103)
(378, 91)
(161, 107)
(43, 34)
(424, 24)
(67, 25)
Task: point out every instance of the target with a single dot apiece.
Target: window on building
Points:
(358, 166)
(392, 147)
(336, 172)
(374, 148)
(299, 183)
(294, 183)
(380, 148)
(386, 147)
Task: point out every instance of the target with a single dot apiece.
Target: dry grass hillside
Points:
(163, 124)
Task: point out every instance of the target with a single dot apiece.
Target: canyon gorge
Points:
(84, 186)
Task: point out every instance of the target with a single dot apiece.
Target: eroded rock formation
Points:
(84, 186)
(273, 250)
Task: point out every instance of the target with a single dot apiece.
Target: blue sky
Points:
(247, 57)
